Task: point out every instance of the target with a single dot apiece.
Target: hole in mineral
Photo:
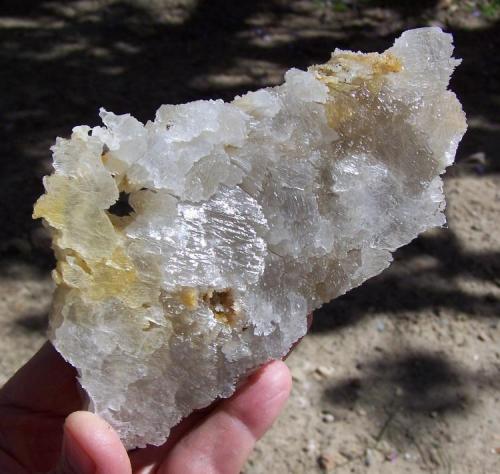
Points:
(221, 303)
(122, 207)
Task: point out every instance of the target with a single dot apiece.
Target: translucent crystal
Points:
(190, 249)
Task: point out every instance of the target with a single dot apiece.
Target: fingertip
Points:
(277, 376)
(225, 438)
(92, 446)
(260, 401)
(273, 379)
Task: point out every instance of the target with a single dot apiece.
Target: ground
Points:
(399, 376)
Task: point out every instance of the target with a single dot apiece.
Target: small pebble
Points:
(310, 448)
(326, 462)
(328, 418)
(368, 458)
(325, 371)
(392, 456)
(361, 412)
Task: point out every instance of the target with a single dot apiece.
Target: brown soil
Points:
(399, 376)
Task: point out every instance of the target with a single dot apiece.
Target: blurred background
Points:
(400, 375)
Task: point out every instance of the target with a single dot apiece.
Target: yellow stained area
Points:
(88, 245)
(371, 70)
(52, 206)
(367, 66)
(112, 277)
(189, 297)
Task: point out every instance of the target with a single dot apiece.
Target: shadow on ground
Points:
(34, 322)
(60, 62)
(409, 394)
(423, 276)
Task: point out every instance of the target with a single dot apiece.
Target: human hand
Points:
(42, 429)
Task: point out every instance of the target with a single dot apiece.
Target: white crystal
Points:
(246, 216)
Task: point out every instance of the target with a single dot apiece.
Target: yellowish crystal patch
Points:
(89, 242)
(347, 70)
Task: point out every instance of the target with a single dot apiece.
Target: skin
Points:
(43, 430)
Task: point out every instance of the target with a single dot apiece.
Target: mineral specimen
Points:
(190, 249)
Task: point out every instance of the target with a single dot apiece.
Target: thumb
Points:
(91, 446)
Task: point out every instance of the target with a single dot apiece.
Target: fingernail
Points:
(74, 459)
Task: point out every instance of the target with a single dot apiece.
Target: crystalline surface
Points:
(243, 217)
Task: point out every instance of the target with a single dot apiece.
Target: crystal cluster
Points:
(190, 249)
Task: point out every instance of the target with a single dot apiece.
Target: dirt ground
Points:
(401, 375)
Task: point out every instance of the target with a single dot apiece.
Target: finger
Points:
(29, 389)
(147, 460)
(91, 446)
(223, 441)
